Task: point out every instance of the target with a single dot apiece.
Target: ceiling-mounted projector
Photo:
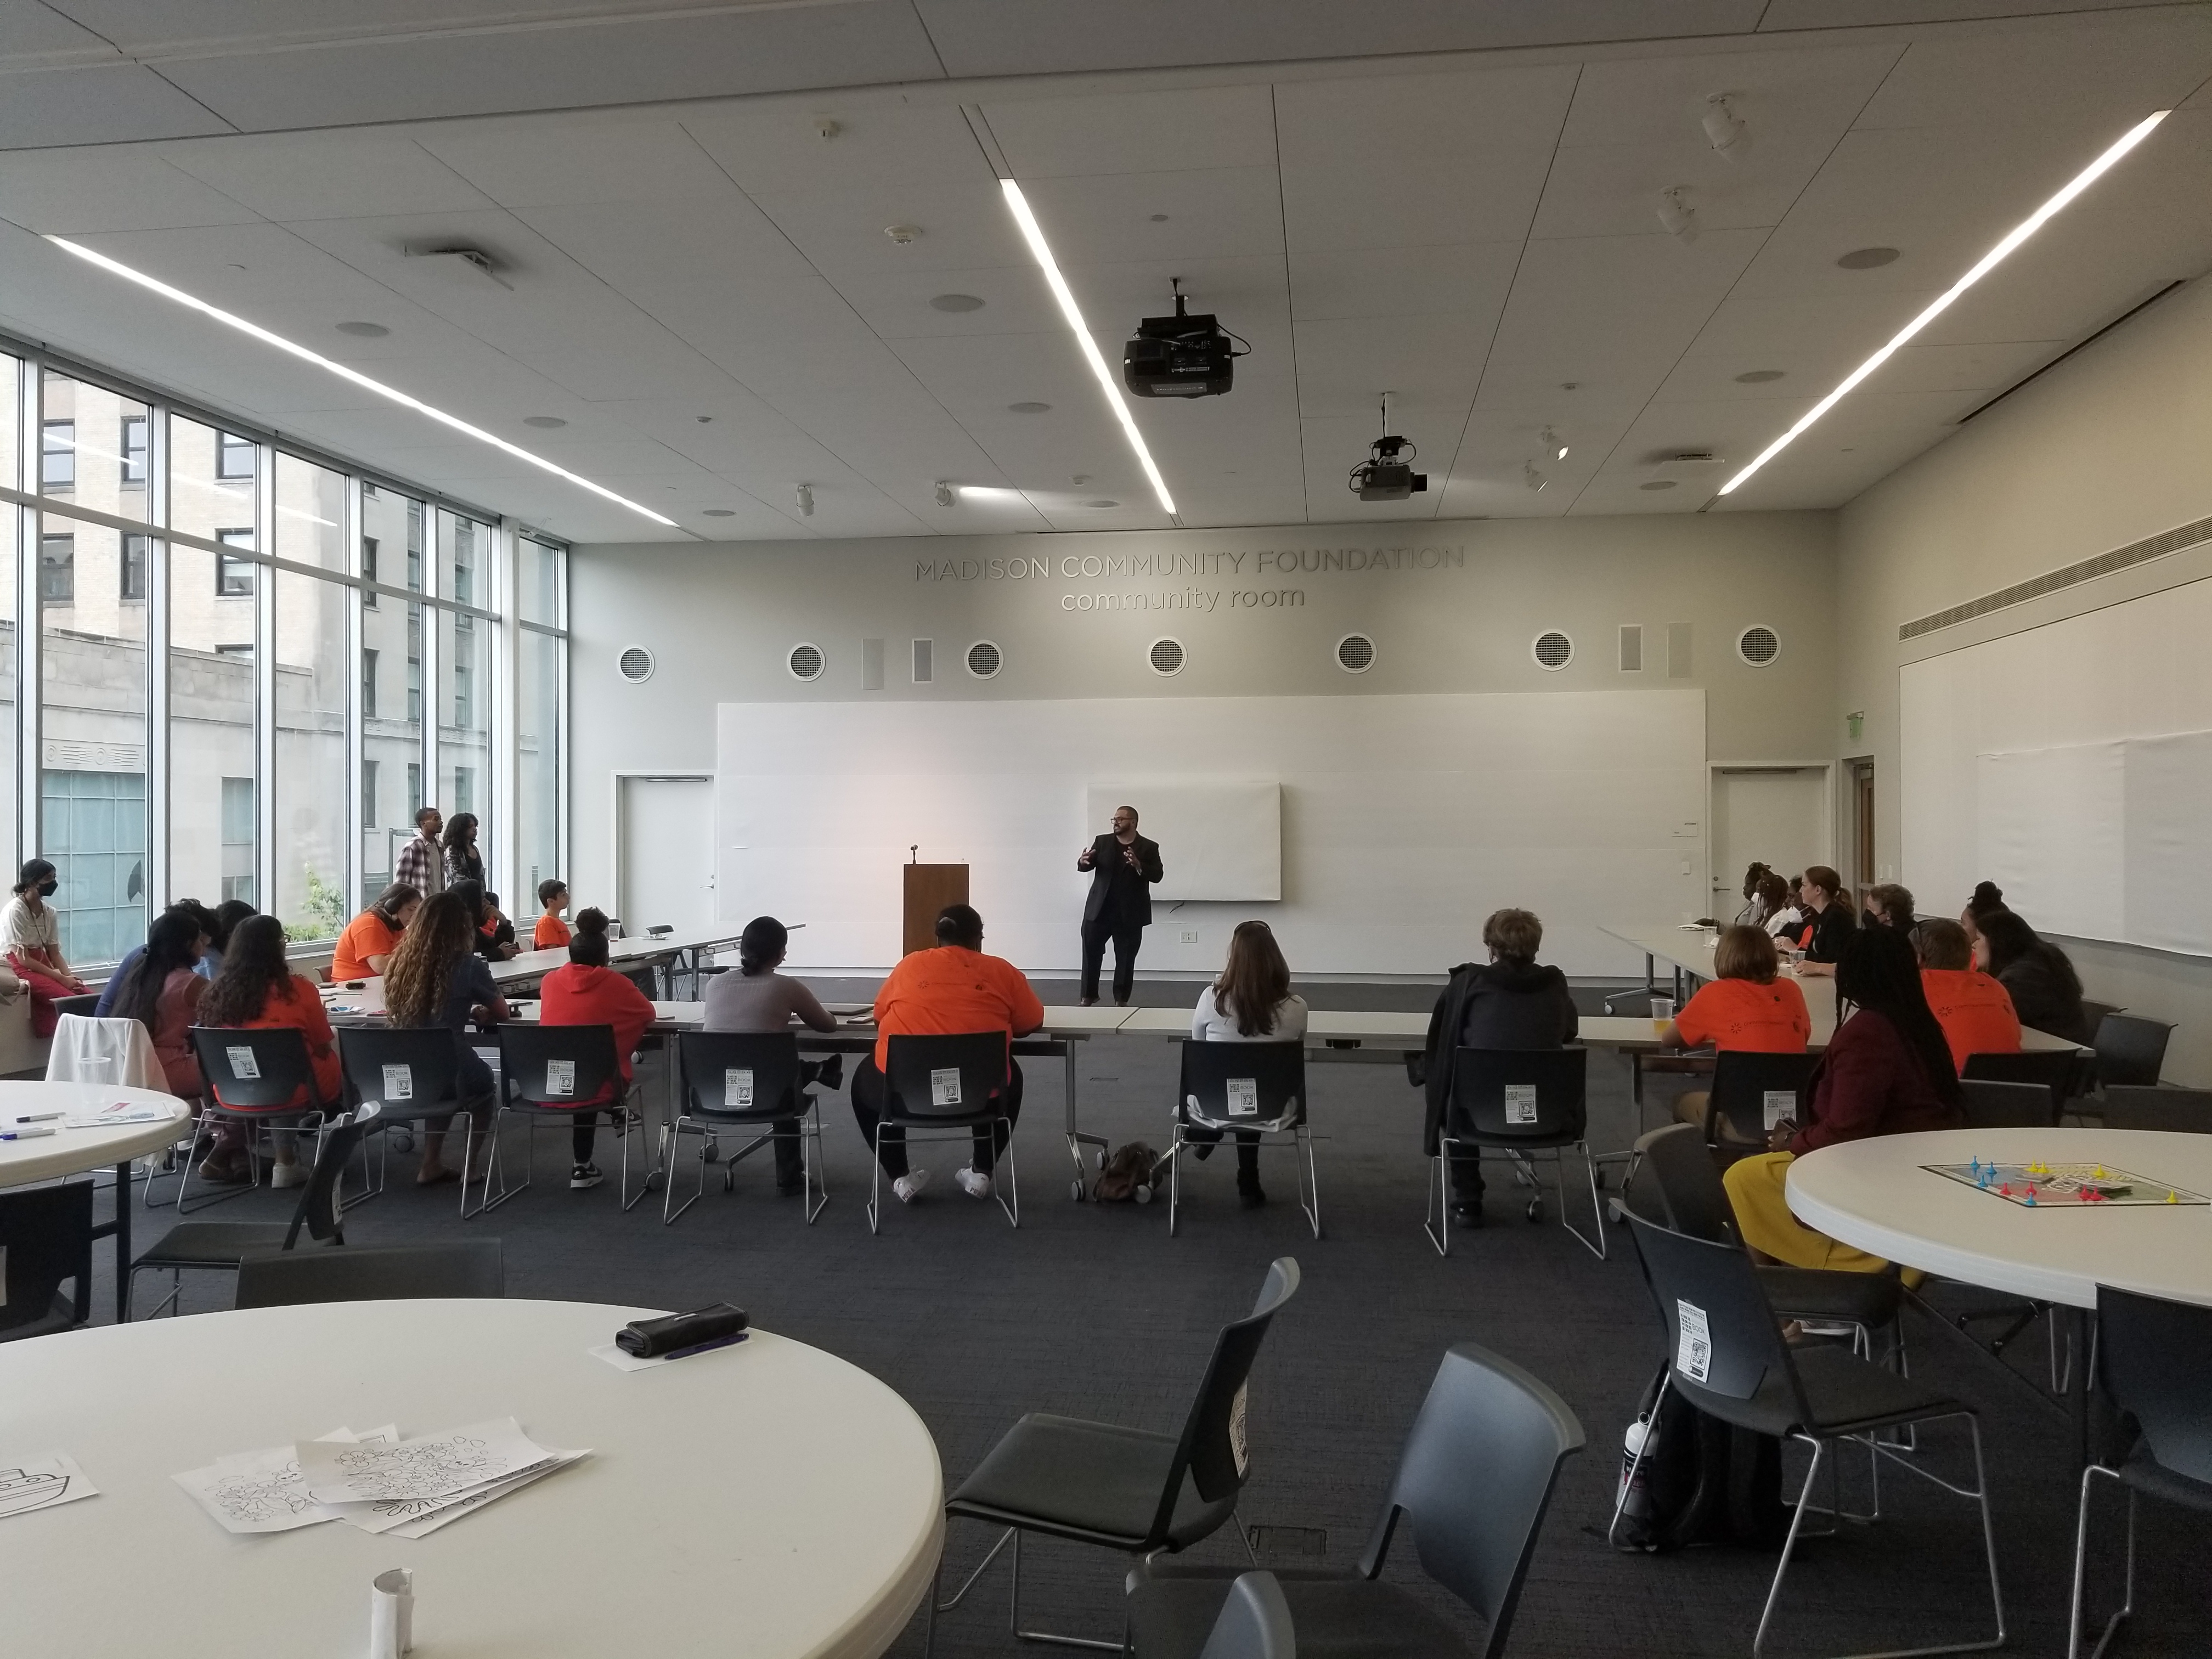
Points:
(1181, 356)
(1388, 475)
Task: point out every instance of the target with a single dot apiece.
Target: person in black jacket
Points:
(2045, 990)
(1122, 865)
(1821, 890)
(1508, 1002)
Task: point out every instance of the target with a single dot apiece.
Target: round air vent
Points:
(1165, 656)
(984, 659)
(806, 662)
(1759, 646)
(1355, 653)
(1551, 649)
(635, 665)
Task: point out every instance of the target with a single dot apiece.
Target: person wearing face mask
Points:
(31, 934)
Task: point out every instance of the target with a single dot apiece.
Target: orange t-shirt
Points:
(367, 935)
(1974, 1010)
(299, 1004)
(552, 934)
(1745, 1015)
(577, 995)
(947, 990)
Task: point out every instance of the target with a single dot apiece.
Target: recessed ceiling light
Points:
(1868, 258)
(1018, 205)
(548, 421)
(1101, 502)
(1657, 483)
(343, 373)
(719, 512)
(1030, 408)
(902, 234)
(365, 330)
(1935, 308)
(1758, 376)
(956, 302)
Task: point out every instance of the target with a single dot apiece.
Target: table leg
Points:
(2076, 1325)
(122, 1240)
(1650, 973)
(1077, 1141)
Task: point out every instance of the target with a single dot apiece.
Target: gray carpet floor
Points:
(1094, 1311)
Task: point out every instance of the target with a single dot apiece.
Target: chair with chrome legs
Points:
(1515, 1102)
(1726, 1356)
(413, 1074)
(2154, 1362)
(566, 1073)
(1129, 1490)
(1475, 1479)
(256, 1076)
(945, 1088)
(1242, 1089)
(1751, 1092)
(741, 1081)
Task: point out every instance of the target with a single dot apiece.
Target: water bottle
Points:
(1635, 1492)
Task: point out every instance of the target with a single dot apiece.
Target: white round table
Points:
(72, 1151)
(766, 1499)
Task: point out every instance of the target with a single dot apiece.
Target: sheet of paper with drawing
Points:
(262, 1490)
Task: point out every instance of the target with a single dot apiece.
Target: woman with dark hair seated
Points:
(257, 990)
(1251, 1002)
(758, 999)
(1888, 905)
(160, 990)
(1988, 898)
(943, 992)
(228, 915)
(434, 978)
(1508, 1002)
(589, 992)
(2045, 990)
(1886, 1071)
(1830, 922)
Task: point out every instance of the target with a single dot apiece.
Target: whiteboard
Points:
(2072, 765)
(1404, 820)
(1228, 837)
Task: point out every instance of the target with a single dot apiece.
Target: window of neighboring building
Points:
(233, 456)
(238, 839)
(58, 455)
(233, 578)
(368, 688)
(414, 789)
(369, 570)
(368, 790)
(137, 550)
(57, 568)
(133, 451)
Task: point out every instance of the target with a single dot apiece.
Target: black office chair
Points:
(1726, 1355)
(545, 1072)
(2154, 1361)
(1256, 1089)
(1752, 1093)
(2057, 1069)
(943, 1088)
(1994, 1105)
(743, 1080)
(1121, 1489)
(2179, 1111)
(255, 1077)
(384, 1273)
(220, 1246)
(45, 1240)
(1678, 1185)
(413, 1074)
(1515, 1101)
(1475, 1479)
(2130, 1050)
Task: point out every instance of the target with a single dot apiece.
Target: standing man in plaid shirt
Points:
(421, 862)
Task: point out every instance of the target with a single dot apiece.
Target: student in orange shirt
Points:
(1747, 1006)
(258, 990)
(1974, 1010)
(365, 948)
(589, 992)
(951, 989)
(552, 932)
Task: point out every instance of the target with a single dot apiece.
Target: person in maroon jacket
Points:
(1886, 1071)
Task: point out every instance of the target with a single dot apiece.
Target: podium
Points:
(929, 889)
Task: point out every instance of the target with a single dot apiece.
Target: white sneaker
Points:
(908, 1186)
(974, 1182)
(294, 1174)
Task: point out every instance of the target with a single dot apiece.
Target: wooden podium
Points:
(929, 889)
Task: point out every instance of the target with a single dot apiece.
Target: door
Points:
(666, 857)
(1772, 815)
(1862, 875)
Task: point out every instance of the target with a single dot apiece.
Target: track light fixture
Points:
(1533, 478)
(944, 493)
(1725, 128)
(805, 496)
(1680, 218)
(1555, 443)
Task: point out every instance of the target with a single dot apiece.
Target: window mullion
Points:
(161, 888)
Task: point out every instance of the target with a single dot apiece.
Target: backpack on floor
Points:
(1701, 1481)
(1130, 1167)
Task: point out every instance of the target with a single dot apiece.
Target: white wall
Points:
(2106, 448)
(720, 619)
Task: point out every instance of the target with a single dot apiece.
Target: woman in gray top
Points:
(758, 999)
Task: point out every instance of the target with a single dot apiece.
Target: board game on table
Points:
(2037, 1185)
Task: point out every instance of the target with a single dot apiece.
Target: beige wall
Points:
(2108, 447)
(1455, 611)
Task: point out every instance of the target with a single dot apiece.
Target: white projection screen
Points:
(1404, 821)
(2072, 765)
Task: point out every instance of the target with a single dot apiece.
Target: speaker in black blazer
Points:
(1110, 874)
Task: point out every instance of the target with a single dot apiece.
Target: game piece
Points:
(2030, 1199)
(2006, 1189)
(2172, 1197)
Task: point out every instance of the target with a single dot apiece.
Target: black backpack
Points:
(1701, 1481)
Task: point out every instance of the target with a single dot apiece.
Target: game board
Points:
(2037, 1185)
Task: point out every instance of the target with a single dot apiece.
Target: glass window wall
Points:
(213, 676)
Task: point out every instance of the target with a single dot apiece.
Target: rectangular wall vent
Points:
(923, 672)
(1632, 647)
(2180, 539)
(871, 665)
(1678, 651)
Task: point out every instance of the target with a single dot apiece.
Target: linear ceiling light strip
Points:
(344, 373)
(1989, 261)
(1020, 208)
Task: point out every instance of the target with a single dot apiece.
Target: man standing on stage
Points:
(1122, 865)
